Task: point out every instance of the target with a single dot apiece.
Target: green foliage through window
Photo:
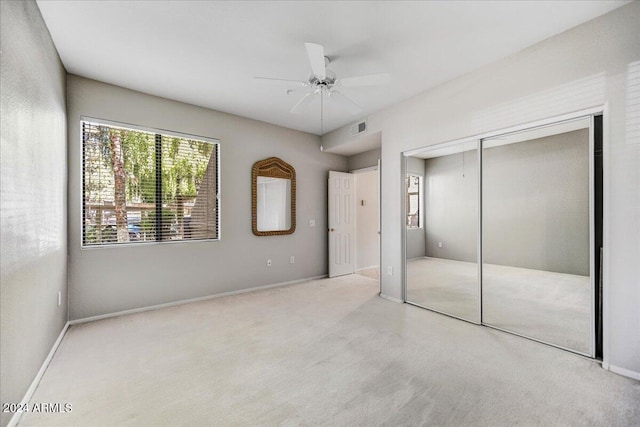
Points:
(141, 186)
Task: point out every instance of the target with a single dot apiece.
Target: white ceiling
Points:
(206, 53)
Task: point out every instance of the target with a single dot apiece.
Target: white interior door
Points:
(341, 224)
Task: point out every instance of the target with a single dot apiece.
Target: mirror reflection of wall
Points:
(274, 203)
(442, 272)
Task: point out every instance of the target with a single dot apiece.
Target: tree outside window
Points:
(144, 186)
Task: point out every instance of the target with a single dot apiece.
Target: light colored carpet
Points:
(372, 273)
(551, 307)
(328, 352)
(444, 285)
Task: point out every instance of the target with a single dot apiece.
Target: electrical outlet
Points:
(312, 223)
(268, 263)
(390, 271)
(439, 244)
(292, 259)
(59, 298)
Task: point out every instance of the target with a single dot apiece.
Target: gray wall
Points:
(536, 204)
(535, 201)
(451, 206)
(415, 236)
(112, 279)
(363, 160)
(596, 63)
(33, 187)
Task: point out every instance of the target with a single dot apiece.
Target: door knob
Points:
(332, 230)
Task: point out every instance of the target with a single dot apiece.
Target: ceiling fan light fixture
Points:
(323, 80)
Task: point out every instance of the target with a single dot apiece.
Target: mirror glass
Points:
(536, 234)
(441, 198)
(273, 197)
(273, 203)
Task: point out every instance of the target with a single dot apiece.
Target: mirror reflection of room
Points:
(537, 267)
(536, 250)
(441, 235)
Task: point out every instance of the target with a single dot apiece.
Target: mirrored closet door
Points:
(536, 272)
(441, 205)
(502, 231)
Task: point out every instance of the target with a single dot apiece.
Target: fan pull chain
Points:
(321, 112)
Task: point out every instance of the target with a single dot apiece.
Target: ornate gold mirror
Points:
(273, 197)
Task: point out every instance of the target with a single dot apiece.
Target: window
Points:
(143, 186)
(414, 201)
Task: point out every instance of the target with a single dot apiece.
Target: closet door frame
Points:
(479, 139)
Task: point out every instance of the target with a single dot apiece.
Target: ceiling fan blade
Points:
(340, 98)
(304, 102)
(281, 82)
(368, 80)
(315, 52)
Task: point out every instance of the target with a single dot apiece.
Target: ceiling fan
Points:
(323, 82)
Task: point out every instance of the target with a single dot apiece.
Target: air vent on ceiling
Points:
(358, 128)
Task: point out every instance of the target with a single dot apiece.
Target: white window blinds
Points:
(143, 186)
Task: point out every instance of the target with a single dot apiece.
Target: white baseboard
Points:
(387, 297)
(15, 419)
(366, 268)
(190, 300)
(624, 372)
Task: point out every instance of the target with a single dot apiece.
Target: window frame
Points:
(162, 132)
(420, 200)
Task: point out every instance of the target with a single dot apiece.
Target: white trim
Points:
(622, 371)
(606, 187)
(479, 200)
(366, 268)
(153, 130)
(15, 419)
(403, 233)
(379, 209)
(191, 300)
(387, 297)
(441, 145)
(512, 129)
(363, 170)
